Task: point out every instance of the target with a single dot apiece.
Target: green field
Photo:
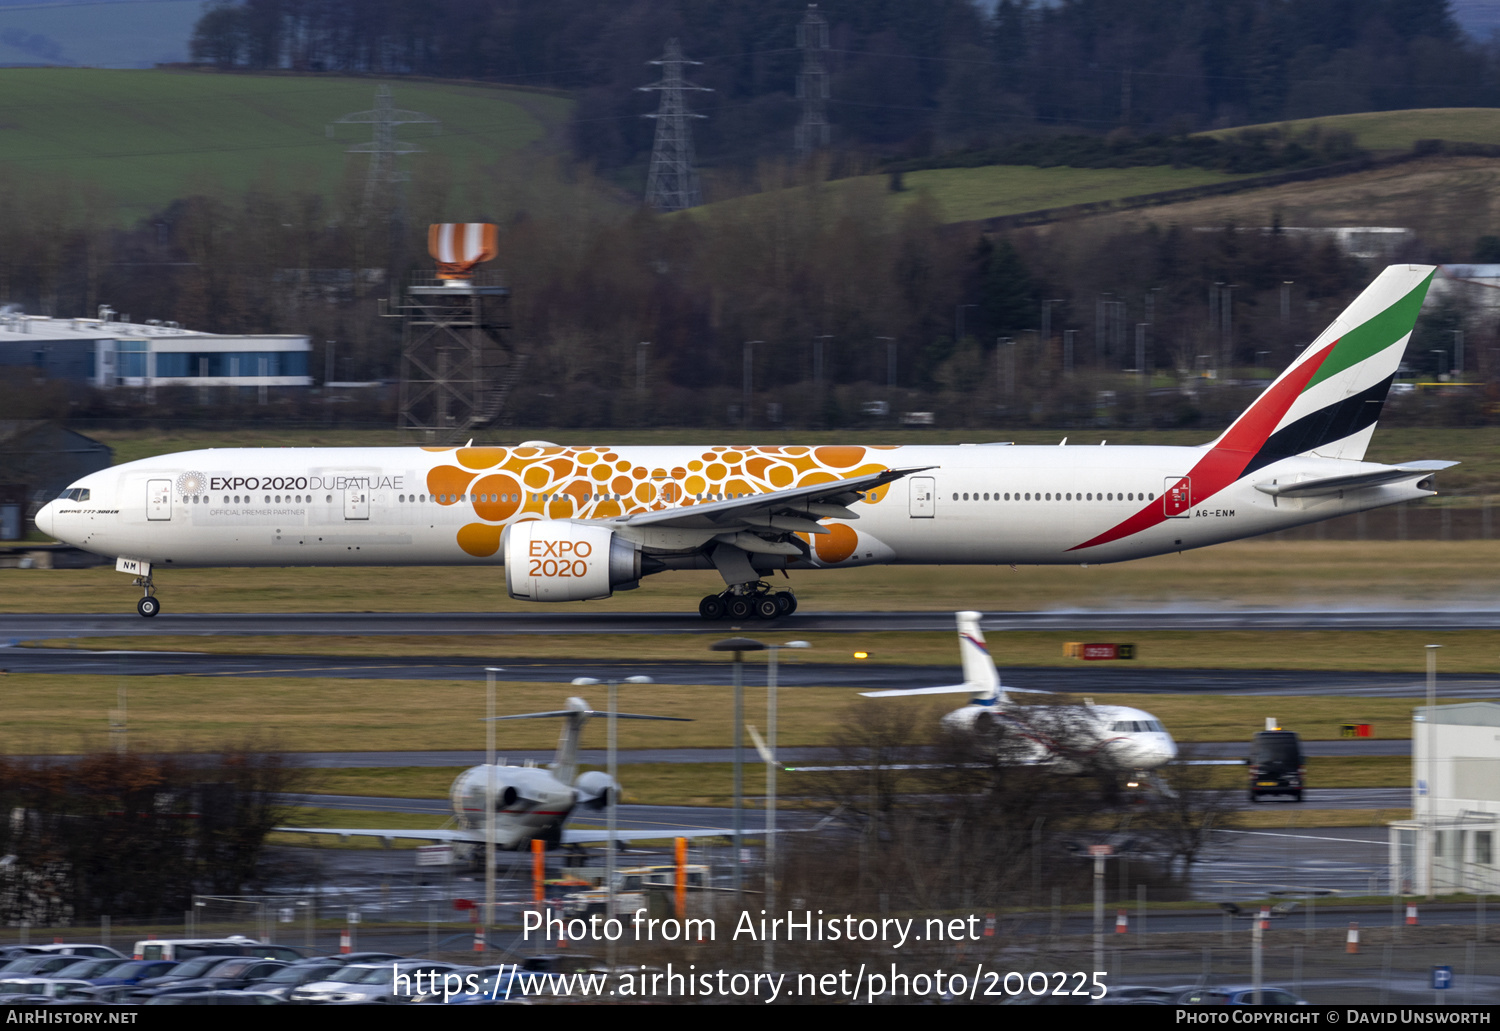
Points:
(1398, 130)
(970, 194)
(148, 137)
(48, 714)
(964, 194)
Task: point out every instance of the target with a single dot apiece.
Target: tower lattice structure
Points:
(672, 183)
(812, 83)
(384, 175)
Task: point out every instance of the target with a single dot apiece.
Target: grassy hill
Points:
(969, 194)
(1398, 130)
(148, 137)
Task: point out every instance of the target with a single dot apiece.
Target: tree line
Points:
(907, 78)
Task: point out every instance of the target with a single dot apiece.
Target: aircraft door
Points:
(356, 503)
(1177, 497)
(159, 499)
(923, 497)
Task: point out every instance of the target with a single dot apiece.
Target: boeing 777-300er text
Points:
(578, 523)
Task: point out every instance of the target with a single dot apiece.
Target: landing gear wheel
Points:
(740, 608)
(786, 601)
(1297, 796)
(766, 607)
(712, 607)
(1254, 797)
(148, 606)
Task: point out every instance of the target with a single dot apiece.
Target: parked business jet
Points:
(1110, 739)
(529, 801)
(578, 523)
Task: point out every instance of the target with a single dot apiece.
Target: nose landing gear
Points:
(148, 606)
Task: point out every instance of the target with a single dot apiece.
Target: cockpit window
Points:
(74, 494)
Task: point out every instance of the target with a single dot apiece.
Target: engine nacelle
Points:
(560, 560)
(594, 788)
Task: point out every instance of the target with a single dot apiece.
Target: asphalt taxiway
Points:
(31, 626)
(1083, 678)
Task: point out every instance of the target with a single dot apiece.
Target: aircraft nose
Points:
(44, 518)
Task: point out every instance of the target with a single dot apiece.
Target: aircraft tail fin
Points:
(565, 763)
(1327, 402)
(980, 673)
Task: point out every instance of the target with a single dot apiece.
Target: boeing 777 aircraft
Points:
(578, 523)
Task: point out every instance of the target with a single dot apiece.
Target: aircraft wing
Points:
(388, 834)
(787, 511)
(1370, 477)
(587, 836)
(569, 837)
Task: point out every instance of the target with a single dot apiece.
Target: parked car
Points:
(1240, 995)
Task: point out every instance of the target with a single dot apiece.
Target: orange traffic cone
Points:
(1351, 943)
(1411, 915)
(1122, 922)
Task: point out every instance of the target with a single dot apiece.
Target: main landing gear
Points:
(149, 605)
(747, 601)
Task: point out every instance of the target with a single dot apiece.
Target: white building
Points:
(1449, 844)
(107, 353)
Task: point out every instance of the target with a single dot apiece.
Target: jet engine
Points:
(561, 560)
(594, 788)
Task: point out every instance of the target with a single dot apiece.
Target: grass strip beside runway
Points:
(65, 714)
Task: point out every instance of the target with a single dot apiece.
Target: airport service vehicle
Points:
(632, 889)
(1111, 739)
(1277, 765)
(578, 523)
(529, 801)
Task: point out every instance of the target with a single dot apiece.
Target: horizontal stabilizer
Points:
(1373, 477)
(950, 689)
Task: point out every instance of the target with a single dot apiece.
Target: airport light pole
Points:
(771, 789)
(738, 645)
(1431, 716)
(612, 764)
(489, 805)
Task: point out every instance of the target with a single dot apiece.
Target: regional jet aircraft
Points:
(578, 523)
(529, 802)
(1107, 739)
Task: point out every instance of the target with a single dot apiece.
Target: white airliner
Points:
(529, 801)
(1072, 739)
(576, 523)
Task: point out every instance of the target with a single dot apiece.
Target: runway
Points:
(32, 626)
(1084, 678)
(790, 756)
(1316, 798)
